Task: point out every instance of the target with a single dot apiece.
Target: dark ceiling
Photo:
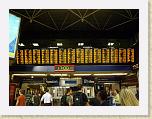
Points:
(94, 27)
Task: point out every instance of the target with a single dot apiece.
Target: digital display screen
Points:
(97, 55)
(14, 25)
(88, 56)
(75, 56)
(64, 68)
(71, 56)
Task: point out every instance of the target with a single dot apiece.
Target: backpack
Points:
(78, 99)
(63, 101)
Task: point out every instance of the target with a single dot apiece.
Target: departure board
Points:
(75, 56)
(122, 55)
(88, 55)
(17, 57)
(114, 55)
(130, 55)
(45, 56)
(80, 56)
(36, 56)
(53, 56)
(20, 57)
(70, 56)
(105, 55)
(97, 55)
(28, 56)
(62, 56)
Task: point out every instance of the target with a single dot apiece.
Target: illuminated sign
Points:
(64, 68)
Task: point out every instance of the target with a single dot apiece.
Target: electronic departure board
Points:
(70, 56)
(122, 55)
(36, 56)
(53, 56)
(20, 57)
(105, 55)
(88, 55)
(97, 55)
(45, 56)
(80, 56)
(62, 56)
(76, 56)
(130, 55)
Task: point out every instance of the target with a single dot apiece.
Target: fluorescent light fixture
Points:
(35, 44)
(110, 74)
(87, 47)
(59, 44)
(53, 47)
(29, 74)
(21, 44)
(81, 74)
(58, 74)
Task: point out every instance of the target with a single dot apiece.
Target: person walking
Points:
(80, 98)
(28, 98)
(36, 99)
(116, 97)
(21, 100)
(67, 99)
(47, 99)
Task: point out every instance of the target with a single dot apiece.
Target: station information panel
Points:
(76, 56)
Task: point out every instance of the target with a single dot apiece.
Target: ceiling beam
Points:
(85, 13)
(106, 22)
(53, 21)
(71, 24)
(119, 24)
(91, 13)
(130, 13)
(79, 13)
(33, 13)
(96, 22)
(40, 14)
(66, 17)
(27, 14)
(37, 13)
(20, 14)
(135, 14)
(123, 15)
(33, 20)
(74, 13)
(91, 24)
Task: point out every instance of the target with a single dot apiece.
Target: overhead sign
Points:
(64, 68)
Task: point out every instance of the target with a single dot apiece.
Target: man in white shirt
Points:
(47, 98)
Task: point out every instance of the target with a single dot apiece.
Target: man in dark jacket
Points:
(80, 98)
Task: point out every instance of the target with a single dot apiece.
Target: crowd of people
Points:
(124, 97)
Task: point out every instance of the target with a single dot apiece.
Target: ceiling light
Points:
(35, 44)
(110, 44)
(110, 74)
(21, 44)
(81, 74)
(80, 44)
(59, 44)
